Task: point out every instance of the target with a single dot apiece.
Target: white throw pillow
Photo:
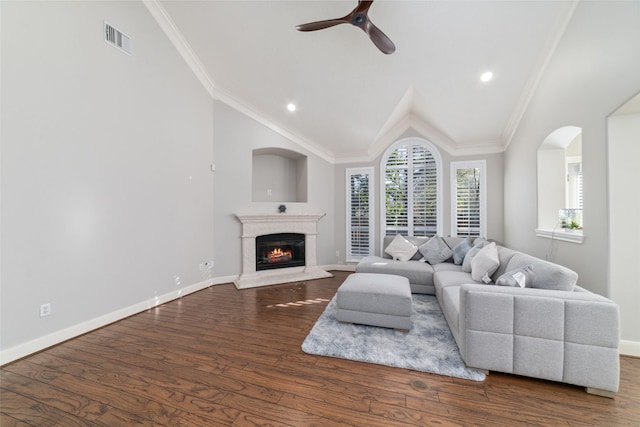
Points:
(401, 249)
(485, 263)
(466, 263)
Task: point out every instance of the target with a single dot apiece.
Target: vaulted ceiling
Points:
(352, 100)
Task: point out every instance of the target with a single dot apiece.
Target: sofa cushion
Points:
(435, 250)
(401, 249)
(450, 304)
(546, 275)
(522, 277)
(460, 250)
(445, 278)
(485, 263)
(446, 266)
(419, 273)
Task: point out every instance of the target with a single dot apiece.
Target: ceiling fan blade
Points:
(320, 25)
(359, 18)
(379, 38)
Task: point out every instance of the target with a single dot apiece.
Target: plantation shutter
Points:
(411, 191)
(425, 219)
(396, 193)
(359, 210)
(468, 184)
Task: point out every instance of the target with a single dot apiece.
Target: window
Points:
(560, 185)
(468, 199)
(412, 194)
(359, 213)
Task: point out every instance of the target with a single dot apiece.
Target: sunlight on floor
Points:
(299, 303)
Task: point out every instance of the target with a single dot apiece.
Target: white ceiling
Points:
(352, 99)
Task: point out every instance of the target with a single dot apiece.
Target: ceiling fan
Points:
(360, 19)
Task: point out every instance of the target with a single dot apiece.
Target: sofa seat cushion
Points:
(446, 266)
(417, 272)
(546, 275)
(446, 278)
(450, 304)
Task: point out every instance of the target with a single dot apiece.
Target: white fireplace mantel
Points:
(254, 225)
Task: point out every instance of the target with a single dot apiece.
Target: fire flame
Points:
(278, 254)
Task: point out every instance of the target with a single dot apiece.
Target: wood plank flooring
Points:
(232, 358)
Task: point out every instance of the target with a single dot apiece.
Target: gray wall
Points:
(595, 69)
(107, 195)
(236, 136)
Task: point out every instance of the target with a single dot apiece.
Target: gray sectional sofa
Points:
(551, 329)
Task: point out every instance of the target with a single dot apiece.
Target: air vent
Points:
(117, 38)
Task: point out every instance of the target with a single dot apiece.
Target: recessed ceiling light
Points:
(485, 77)
(291, 107)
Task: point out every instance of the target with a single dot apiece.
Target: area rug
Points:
(427, 347)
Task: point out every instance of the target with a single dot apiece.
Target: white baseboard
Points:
(630, 348)
(39, 344)
(339, 267)
(224, 279)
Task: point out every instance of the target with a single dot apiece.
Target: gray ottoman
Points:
(376, 300)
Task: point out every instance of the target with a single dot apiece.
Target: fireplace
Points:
(281, 250)
(256, 225)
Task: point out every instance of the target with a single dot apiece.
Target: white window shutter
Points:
(359, 213)
(468, 199)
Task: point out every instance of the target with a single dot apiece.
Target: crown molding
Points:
(160, 14)
(244, 108)
(536, 75)
(169, 27)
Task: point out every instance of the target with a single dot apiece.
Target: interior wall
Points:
(275, 178)
(624, 152)
(594, 70)
(107, 193)
(235, 137)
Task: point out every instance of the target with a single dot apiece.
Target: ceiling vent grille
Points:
(117, 38)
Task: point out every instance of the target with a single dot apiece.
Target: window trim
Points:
(469, 164)
(439, 193)
(348, 173)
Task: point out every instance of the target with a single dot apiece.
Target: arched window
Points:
(411, 192)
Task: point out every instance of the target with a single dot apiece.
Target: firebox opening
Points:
(280, 250)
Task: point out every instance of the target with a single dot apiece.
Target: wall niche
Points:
(278, 175)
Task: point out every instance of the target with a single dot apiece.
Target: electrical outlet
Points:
(206, 266)
(337, 253)
(45, 309)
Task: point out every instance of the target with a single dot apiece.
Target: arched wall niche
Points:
(559, 179)
(278, 175)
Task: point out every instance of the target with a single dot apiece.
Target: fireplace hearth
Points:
(281, 250)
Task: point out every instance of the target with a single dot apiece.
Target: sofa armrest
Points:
(565, 336)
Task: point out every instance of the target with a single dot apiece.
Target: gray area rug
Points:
(427, 347)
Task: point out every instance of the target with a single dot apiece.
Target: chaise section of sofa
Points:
(566, 336)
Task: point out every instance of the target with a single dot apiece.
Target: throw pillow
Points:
(460, 250)
(435, 250)
(401, 249)
(485, 263)
(466, 263)
(522, 277)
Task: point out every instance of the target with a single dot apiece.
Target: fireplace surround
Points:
(255, 225)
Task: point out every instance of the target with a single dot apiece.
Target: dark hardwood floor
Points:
(228, 357)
